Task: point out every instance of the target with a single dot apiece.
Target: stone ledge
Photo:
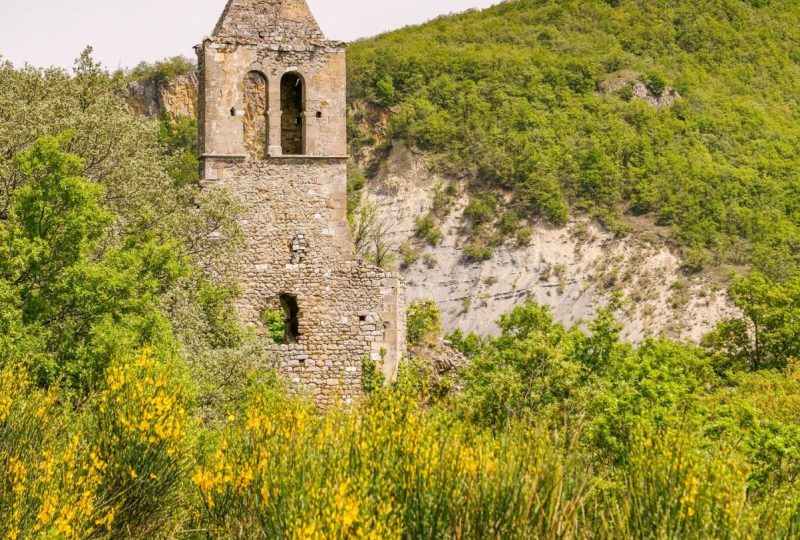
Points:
(303, 157)
(224, 157)
(285, 157)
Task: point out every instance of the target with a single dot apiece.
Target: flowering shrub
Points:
(141, 424)
(132, 463)
(75, 474)
(389, 470)
(50, 477)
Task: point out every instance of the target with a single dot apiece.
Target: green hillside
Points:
(134, 405)
(521, 96)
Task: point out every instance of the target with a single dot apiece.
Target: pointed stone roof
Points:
(268, 21)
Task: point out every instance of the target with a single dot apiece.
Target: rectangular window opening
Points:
(291, 312)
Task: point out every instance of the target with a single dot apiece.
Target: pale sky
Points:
(125, 32)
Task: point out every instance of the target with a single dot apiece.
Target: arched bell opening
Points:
(293, 114)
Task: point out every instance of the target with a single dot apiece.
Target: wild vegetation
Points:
(132, 405)
(555, 433)
(533, 100)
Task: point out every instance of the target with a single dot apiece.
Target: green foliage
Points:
(626, 94)
(768, 333)
(524, 236)
(131, 157)
(628, 399)
(509, 223)
(477, 251)
(537, 367)
(100, 248)
(469, 345)
(756, 411)
(357, 137)
(656, 84)
(481, 211)
(443, 199)
(426, 229)
(409, 255)
(279, 466)
(274, 322)
(180, 139)
(355, 186)
(424, 325)
(688, 459)
(85, 308)
(385, 89)
(163, 71)
(508, 98)
(372, 378)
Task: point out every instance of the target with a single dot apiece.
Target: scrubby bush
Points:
(656, 84)
(408, 255)
(163, 71)
(372, 377)
(481, 210)
(524, 236)
(477, 251)
(509, 223)
(424, 322)
(426, 229)
(274, 321)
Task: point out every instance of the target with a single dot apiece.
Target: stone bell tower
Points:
(273, 130)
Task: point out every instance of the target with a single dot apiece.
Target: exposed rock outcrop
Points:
(573, 269)
(174, 99)
(633, 82)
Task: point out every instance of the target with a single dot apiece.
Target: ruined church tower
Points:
(273, 130)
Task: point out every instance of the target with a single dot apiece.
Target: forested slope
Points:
(132, 405)
(684, 112)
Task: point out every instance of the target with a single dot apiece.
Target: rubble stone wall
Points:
(299, 248)
(299, 244)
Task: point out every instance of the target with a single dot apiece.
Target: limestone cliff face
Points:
(176, 98)
(574, 269)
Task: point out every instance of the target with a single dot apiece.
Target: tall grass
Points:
(111, 469)
(388, 470)
(133, 463)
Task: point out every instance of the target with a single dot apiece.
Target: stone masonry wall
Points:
(224, 67)
(298, 243)
(299, 246)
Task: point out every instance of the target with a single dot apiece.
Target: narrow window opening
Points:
(255, 115)
(319, 114)
(292, 107)
(363, 318)
(291, 313)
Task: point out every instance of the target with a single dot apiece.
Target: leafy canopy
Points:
(534, 97)
(84, 305)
